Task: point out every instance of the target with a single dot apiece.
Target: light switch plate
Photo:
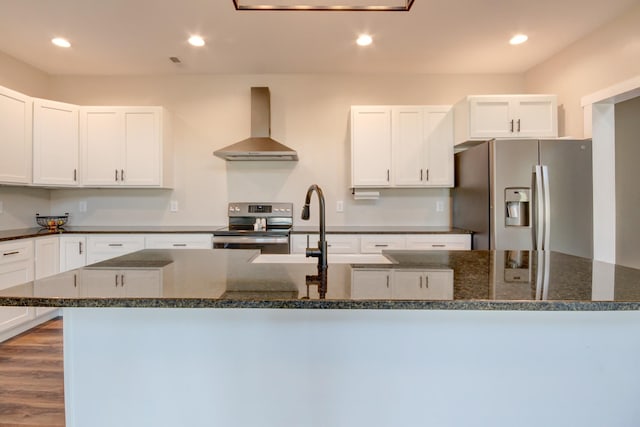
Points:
(340, 206)
(82, 206)
(439, 206)
(174, 206)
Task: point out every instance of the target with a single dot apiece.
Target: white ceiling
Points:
(436, 36)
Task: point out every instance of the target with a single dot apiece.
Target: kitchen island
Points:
(207, 337)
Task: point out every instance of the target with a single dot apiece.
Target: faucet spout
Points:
(321, 251)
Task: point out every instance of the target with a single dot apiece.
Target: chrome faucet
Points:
(321, 251)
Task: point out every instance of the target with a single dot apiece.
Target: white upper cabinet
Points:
(422, 146)
(506, 116)
(370, 146)
(402, 146)
(55, 143)
(125, 146)
(16, 115)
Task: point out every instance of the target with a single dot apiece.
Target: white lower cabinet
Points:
(402, 284)
(73, 252)
(423, 285)
(376, 243)
(178, 241)
(103, 247)
(47, 256)
(121, 283)
(16, 267)
(63, 285)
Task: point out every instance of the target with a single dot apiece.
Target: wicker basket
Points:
(52, 222)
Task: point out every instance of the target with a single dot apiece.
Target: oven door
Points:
(266, 244)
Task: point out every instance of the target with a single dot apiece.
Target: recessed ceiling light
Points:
(59, 41)
(364, 40)
(518, 39)
(196, 41)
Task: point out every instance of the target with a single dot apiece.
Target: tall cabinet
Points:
(125, 146)
(16, 116)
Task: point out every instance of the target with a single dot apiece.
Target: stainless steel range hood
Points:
(259, 146)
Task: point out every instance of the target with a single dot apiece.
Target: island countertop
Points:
(441, 280)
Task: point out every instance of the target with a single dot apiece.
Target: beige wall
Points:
(607, 56)
(310, 113)
(23, 78)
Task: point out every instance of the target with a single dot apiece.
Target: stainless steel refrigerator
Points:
(526, 195)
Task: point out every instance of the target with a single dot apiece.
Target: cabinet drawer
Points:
(19, 250)
(178, 241)
(337, 243)
(374, 244)
(100, 248)
(439, 242)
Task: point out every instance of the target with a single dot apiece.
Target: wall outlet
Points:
(174, 206)
(439, 206)
(340, 206)
(82, 206)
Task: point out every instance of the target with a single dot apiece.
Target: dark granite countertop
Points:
(381, 229)
(462, 280)
(24, 233)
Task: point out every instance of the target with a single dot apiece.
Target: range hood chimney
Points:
(259, 146)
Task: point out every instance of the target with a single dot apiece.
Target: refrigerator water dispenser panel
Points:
(517, 207)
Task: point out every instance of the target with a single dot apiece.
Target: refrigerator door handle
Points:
(538, 200)
(547, 209)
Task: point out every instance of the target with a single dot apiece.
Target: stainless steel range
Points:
(264, 226)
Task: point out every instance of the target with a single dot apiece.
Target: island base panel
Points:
(261, 367)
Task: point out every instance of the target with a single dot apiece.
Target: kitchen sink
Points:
(332, 258)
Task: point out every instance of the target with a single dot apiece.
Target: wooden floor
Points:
(31, 378)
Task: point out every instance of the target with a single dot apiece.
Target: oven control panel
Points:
(261, 210)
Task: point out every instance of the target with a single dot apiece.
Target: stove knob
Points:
(237, 209)
(230, 208)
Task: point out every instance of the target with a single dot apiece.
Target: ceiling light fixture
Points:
(196, 41)
(364, 40)
(321, 5)
(518, 39)
(60, 42)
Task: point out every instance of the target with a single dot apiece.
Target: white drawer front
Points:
(178, 241)
(337, 243)
(439, 242)
(19, 250)
(374, 244)
(100, 248)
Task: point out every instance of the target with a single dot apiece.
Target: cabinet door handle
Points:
(11, 253)
(427, 174)
(437, 246)
(420, 282)
(122, 175)
(426, 282)
(511, 126)
(116, 175)
(179, 244)
(75, 281)
(387, 280)
(122, 280)
(75, 175)
(80, 248)
(518, 125)
(421, 175)
(116, 280)
(115, 244)
(381, 245)
(388, 175)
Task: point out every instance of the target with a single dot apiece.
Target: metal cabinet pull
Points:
(122, 175)
(179, 244)
(387, 280)
(80, 248)
(122, 280)
(437, 246)
(75, 281)
(75, 175)
(518, 125)
(116, 175)
(511, 125)
(421, 174)
(11, 253)
(116, 280)
(115, 244)
(426, 282)
(420, 282)
(388, 175)
(427, 174)
(381, 245)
